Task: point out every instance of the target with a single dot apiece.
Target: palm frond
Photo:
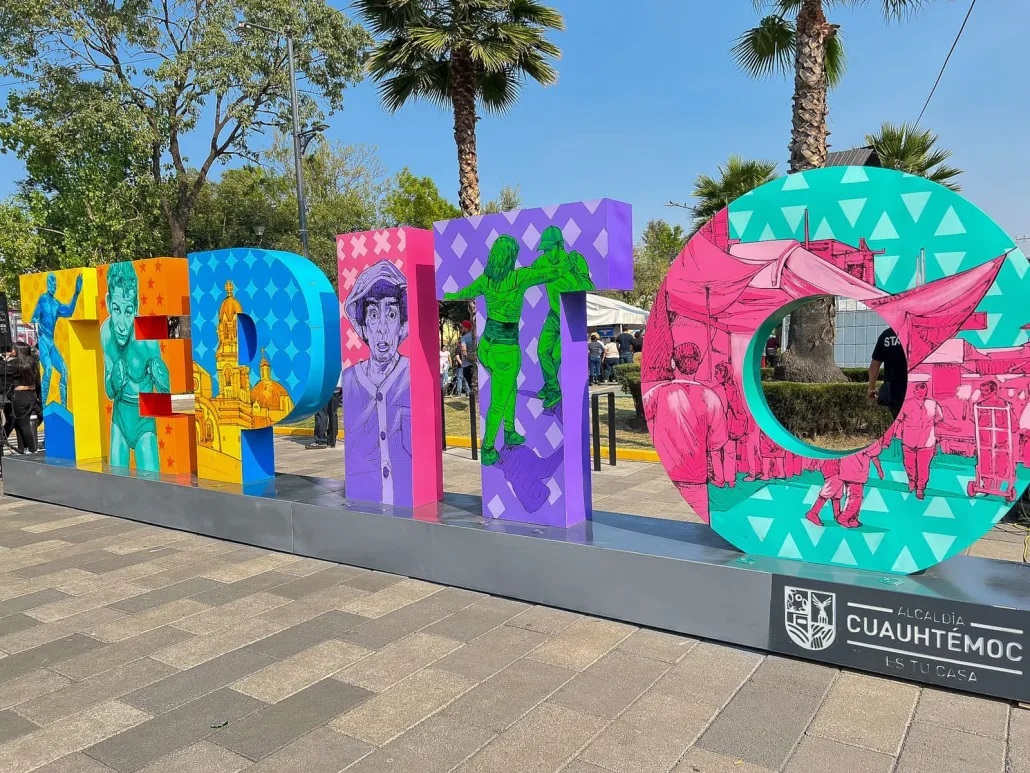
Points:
(836, 60)
(766, 49)
(909, 149)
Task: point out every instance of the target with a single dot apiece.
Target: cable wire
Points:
(946, 59)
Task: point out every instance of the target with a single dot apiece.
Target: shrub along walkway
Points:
(126, 647)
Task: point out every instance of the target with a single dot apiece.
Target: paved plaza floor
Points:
(127, 647)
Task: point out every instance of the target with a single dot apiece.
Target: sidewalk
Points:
(126, 647)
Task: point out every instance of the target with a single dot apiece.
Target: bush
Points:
(805, 410)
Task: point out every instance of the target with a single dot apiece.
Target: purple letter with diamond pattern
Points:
(528, 271)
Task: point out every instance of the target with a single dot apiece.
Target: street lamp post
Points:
(301, 202)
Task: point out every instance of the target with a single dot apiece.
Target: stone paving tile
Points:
(376, 634)
(30, 686)
(312, 605)
(475, 620)
(761, 724)
(320, 751)
(388, 714)
(544, 620)
(866, 711)
(201, 757)
(650, 736)
(275, 726)
(657, 645)
(136, 748)
(250, 567)
(963, 712)
(816, 753)
(134, 625)
(76, 561)
(194, 683)
(155, 598)
(933, 749)
(14, 623)
(194, 650)
(541, 742)
(30, 601)
(582, 643)
(794, 676)
(317, 581)
(606, 688)
(373, 581)
(44, 633)
(710, 673)
(211, 619)
(93, 598)
(241, 589)
(69, 735)
(397, 661)
(390, 598)
(1018, 758)
(45, 655)
(110, 684)
(286, 677)
(500, 701)
(698, 760)
(130, 559)
(75, 763)
(578, 766)
(331, 625)
(13, 725)
(494, 650)
(436, 745)
(113, 655)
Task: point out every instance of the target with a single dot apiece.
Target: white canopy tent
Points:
(606, 312)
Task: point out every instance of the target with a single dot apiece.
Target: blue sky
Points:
(649, 97)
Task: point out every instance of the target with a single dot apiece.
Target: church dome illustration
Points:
(269, 394)
(230, 306)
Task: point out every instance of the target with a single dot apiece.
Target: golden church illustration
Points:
(238, 404)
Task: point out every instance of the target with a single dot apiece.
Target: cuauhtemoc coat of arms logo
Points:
(810, 617)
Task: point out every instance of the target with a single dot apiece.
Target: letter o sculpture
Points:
(954, 289)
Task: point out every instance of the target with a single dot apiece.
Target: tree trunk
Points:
(463, 99)
(809, 354)
(177, 233)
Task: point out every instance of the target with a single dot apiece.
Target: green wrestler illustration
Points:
(503, 287)
(130, 367)
(572, 275)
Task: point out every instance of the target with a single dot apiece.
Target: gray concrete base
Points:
(962, 624)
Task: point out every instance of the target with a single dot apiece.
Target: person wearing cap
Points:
(573, 275)
(503, 287)
(376, 390)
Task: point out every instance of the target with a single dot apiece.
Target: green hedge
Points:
(806, 409)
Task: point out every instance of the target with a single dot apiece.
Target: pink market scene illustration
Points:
(934, 268)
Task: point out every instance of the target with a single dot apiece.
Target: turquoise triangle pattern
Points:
(823, 230)
(794, 217)
(852, 209)
(915, 203)
(794, 182)
(761, 525)
(854, 174)
(939, 544)
(844, 554)
(789, 549)
(767, 234)
(950, 224)
(739, 221)
(873, 540)
(904, 564)
(884, 229)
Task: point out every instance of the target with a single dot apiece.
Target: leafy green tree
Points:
(658, 247)
(177, 69)
(257, 205)
(736, 177)
(508, 200)
(416, 201)
(797, 38)
(909, 149)
(463, 54)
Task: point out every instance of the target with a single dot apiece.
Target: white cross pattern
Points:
(357, 245)
(382, 240)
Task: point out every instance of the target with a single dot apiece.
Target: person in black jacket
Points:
(21, 370)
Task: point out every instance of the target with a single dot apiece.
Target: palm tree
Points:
(909, 149)
(797, 37)
(461, 53)
(737, 177)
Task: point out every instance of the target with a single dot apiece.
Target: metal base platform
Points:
(961, 625)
